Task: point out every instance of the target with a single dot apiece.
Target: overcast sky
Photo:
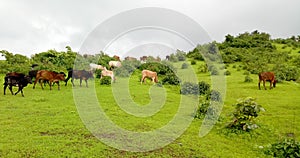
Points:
(32, 26)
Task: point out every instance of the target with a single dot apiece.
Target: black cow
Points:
(16, 79)
(79, 74)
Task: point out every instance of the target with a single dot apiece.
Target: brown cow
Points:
(267, 76)
(149, 74)
(116, 57)
(130, 58)
(50, 76)
(79, 74)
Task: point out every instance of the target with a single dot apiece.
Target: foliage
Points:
(214, 95)
(202, 68)
(285, 72)
(189, 88)
(246, 110)
(285, 148)
(248, 79)
(203, 88)
(106, 80)
(184, 66)
(171, 79)
(127, 68)
(193, 62)
(227, 73)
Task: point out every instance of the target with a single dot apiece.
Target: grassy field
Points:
(46, 123)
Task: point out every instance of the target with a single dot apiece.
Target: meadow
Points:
(47, 123)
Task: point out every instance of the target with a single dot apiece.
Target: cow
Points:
(109, 73)
(117, 58)
(52, 77)
(267, 76)
(143, 59)
(94, 67)
(79, 74)
(19, 80)
(168, 57)
(130, 58)
(149, 74)
(114, 64)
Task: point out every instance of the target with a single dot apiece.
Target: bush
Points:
(214, 72)
(203, 68)
(285, 148)
(246, 110)
(227, 73)
(184, 66)
(171, 79)
(203, 88)
(214, 95)
(248, 79)
(193, 62)
(246, 73)
(106, 80)
(189, 88)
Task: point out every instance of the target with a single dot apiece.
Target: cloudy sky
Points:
(32, 26)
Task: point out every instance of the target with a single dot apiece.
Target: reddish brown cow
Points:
(267, 76)
(50, 76)
(116, 57)
(149, 74)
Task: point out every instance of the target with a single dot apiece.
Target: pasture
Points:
(46, 123)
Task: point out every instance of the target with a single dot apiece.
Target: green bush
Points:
(246, 73)
(246, 110)
(203, 88)
(204, 109)
(193, 62)
(184, 66)
(285, 148)
(214, 95)
(248, 79)
(189, 88)
(227, 73)
(171, 79)
(106, 80)
(202, 68)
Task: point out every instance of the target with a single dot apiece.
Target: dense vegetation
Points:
(47, 123)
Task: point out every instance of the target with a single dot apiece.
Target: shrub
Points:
(184, 66)
(248, 79)
(227, 73)
(285, 148)
(203, 88)
(214, 95)
(203, 68)
(246, 73)
(246, 110)
(106, 80)
(193, 62)
(214, 72)
(189, 88)
(233, 66)
(171, 79)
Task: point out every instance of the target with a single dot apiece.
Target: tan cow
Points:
(109, 73)
(149, 74)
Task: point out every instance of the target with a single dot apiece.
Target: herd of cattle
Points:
(43, 77)
(21, 80)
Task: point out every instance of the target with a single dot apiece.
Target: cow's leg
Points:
(41, 83)
(72, 80)
(10, 88)
(36, 79)
(80, 81)
(67, 80)
(20, 89)
(271, 84)
(259, 84)
(5, 86)
(264, 82)
(86, 83)
(142, 79)
(58, 85)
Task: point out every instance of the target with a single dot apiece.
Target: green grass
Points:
(46, 123)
